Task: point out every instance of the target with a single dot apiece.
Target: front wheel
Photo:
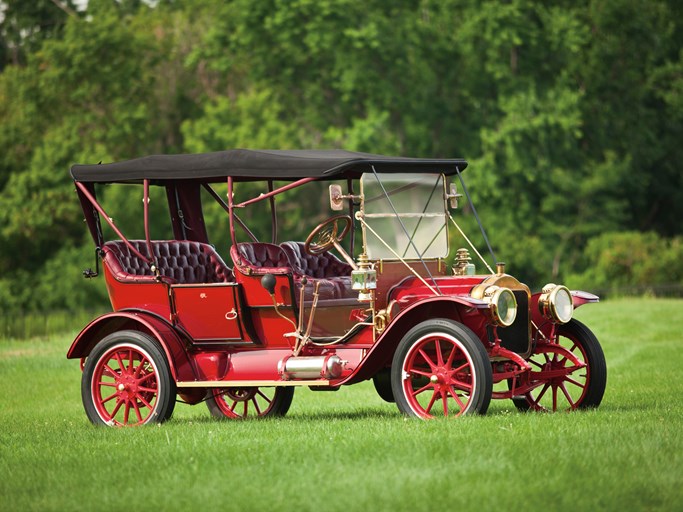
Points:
(441, 368)
(566, 388)
(127, 381)
(249, 402)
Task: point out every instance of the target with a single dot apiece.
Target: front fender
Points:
(468, 311)
(579, 298)
(170, 341)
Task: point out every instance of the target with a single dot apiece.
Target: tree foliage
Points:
(570, 113)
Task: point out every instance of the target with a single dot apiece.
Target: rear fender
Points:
(169, 340)
(470, 312)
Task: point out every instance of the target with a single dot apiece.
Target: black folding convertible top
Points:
(245, 165)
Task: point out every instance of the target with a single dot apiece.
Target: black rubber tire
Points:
(472, 349)
(281, 401)
(382, 382)
(165, 394)
(595, 359)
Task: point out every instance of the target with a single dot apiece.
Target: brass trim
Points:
(504, 281)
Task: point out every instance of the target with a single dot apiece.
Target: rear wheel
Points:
(249, 402)
(568, 389)
(440, 368)
(127, 381)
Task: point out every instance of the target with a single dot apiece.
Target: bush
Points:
(630, 260)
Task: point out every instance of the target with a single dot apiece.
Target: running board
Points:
(250, 383)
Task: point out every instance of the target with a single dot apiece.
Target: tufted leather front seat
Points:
(333, 274)
(260, 258)
(179, 261)
(325, 265)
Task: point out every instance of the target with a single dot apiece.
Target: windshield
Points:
(410, 217)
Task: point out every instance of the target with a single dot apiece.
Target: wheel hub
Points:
(127, 384)
(241, 394)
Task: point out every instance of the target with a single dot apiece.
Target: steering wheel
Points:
(327, 234)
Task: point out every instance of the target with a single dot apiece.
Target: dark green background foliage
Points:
(570, 113)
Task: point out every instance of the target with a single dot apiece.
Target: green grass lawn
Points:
(349, 450)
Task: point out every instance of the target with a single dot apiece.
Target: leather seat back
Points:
(260, 258)
(325, 265)
(183, 261)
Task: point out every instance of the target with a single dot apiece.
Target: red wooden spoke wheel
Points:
(250, 402)
(127, 381)
(441, 369)
(561, 385)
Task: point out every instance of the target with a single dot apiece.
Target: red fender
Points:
(171, 343)
(579, 298)
(454, 308)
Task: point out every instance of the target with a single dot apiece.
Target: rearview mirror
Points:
(336, 198)
(453, 196)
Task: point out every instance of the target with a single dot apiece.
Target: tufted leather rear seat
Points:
(179, 261)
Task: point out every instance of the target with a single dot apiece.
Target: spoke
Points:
(420, 372)
(451, 356)
(109, 369)
(110, 397)
(431, 402)
(116, 408)
(576, 383)
(107, 384)
(258, 410)
(137, 411)
(146, 377)
(536, 363)
(444, 399)
(126, 412)
(439, 356)
(461, 385)
(422, 389)
(426, 358)
(566, 395)
(455, 395)
(122, 366)
(148, 390)
(540, 395)
(145, 402)
(554, 398)
(246, 408)
(232, 407)
(130, 360)
(460, 368)
(265, 397)
(139, 369)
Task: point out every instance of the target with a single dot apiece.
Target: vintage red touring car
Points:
(367, 294)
